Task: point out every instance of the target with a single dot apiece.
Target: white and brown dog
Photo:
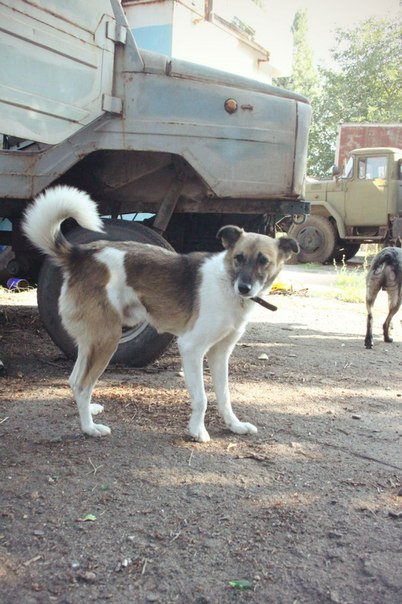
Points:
(204, 299)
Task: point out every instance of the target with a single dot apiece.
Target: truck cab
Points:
(372, 174)
(363, 205)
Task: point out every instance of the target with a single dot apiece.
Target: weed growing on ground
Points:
(351, 283)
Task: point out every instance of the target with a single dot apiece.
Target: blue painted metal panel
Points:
(157, 38)
(56, 65)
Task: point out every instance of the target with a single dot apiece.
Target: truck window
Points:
(348, 169)
(370, 168)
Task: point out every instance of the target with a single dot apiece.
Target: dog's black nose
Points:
(244, 288)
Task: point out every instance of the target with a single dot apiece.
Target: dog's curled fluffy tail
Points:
(43, 218)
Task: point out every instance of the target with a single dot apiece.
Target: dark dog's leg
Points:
(373, 287)
(218, 359)
(394, 303)
(368, 341)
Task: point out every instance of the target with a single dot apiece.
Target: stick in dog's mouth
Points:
(264, 303)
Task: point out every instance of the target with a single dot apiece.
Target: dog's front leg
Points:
(218, 359)
(192, 361)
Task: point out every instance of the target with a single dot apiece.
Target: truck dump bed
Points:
(75, 84)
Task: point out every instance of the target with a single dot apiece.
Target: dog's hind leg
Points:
(90, 364)
(368, 340)
(218, 360)
(394, 304)
(373, 287)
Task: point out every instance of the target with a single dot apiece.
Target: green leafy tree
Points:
(364, 86)
(304, 78)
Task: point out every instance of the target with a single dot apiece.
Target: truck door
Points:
(366, 196)
(399, 202)
(57, 63)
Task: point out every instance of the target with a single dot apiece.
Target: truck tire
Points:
(345, 250)
(316, 237)
(139, 345)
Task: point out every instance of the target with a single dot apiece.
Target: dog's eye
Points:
(262, 260)
(239, 258)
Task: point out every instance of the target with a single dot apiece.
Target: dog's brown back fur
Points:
(175, 281)
(158, 276)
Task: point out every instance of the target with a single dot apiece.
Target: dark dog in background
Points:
(385, 273)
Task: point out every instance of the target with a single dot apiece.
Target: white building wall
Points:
(177, 28)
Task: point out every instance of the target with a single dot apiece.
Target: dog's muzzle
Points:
(244, 289)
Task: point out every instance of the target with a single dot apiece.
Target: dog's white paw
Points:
(200, 434)
(97, 430)
(95, 408)
(243, 428)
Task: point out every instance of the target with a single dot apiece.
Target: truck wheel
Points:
(139, 345)
(316, 237)
(345, 250)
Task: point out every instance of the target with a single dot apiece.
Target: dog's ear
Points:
(229, 235)
(287, 246)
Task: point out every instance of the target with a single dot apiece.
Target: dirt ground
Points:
(307, 511)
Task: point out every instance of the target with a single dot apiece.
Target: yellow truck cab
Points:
(363, 205)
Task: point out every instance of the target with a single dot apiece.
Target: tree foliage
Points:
(304, 78)
(370, 57)
(365, 84)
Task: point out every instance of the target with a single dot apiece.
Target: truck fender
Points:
(335, 215)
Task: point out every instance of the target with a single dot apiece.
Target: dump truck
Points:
(185, 147)
(363, 205)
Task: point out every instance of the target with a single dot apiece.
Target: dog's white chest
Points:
(221, 309)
